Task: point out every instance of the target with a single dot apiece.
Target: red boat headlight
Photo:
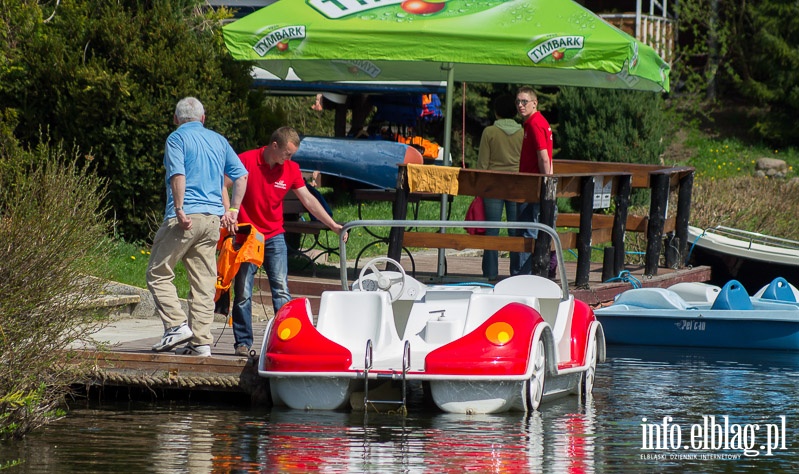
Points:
(288, 328)
(499, 334)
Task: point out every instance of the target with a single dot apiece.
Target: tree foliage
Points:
(105, 76)
(611, 125)
(745, 52)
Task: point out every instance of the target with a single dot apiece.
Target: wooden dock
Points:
(127, 361)
(130, 364)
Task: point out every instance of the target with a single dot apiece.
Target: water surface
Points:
(606, 434)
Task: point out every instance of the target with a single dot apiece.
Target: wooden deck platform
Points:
(130, 362)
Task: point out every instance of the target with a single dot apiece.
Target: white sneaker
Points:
(192, 350)
(173, 337)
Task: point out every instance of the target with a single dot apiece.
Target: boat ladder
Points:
(406, 364)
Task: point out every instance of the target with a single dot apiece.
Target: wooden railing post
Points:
(620, 221)
(657, 219)
(684, 214)
(549, 206)
(400, 212)
(584, 236)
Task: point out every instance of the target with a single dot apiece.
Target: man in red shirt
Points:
(271, 175)
(536, 157)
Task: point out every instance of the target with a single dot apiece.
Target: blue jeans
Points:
(276, 265)
(493, 213)
(521, 263)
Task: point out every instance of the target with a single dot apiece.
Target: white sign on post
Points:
(602, 192)
(606, 190)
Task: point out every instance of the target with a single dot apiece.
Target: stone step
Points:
(114, 306)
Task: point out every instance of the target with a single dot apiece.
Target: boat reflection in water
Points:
(292, 441)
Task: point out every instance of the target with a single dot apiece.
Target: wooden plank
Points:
(568, 240)
(164, 362)
(675, 174)
(601, 236)
(435, 240)
(161, 371)
(640, 223)
(637, 223)
(569, 186)
(390, 195)
(598, 221)
(304, 227)
(292, 205)
(524, 187)
(521, 187)
(640, 172)
(670, 225)
(375, 195)
(292, 208)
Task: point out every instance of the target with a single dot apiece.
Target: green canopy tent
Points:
(536, 42)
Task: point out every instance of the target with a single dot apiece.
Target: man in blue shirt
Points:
(196, 161)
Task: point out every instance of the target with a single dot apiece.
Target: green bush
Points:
(611, 125)
(105, 77)
(50, 225)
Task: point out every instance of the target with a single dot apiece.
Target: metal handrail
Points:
(455, 224)
(752, 237)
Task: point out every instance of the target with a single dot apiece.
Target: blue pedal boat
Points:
(703, 315)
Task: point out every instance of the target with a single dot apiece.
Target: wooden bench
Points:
(365, 196)
(297, 226)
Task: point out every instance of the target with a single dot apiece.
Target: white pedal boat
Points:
(477, 349)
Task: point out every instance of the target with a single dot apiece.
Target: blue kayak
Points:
(371, 162)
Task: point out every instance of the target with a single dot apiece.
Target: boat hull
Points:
(754, 265)
(314, 392)
(311, 393)
(370, 162)
(662, 328)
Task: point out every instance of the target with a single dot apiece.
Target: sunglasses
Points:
(522, 102)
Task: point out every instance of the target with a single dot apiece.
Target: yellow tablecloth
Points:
(433, 179)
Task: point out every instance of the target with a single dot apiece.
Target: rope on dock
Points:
(168, 380)
(626, 277)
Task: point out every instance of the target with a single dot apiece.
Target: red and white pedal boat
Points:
(478, 349)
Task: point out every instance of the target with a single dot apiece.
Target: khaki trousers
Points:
(196, 248)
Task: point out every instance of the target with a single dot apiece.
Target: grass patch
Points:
(126, 263)
(727, 192)
(730, 157)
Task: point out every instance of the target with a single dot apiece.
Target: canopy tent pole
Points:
(450, 68)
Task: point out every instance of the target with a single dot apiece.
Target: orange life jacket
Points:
(246, 245)
(430, 148)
